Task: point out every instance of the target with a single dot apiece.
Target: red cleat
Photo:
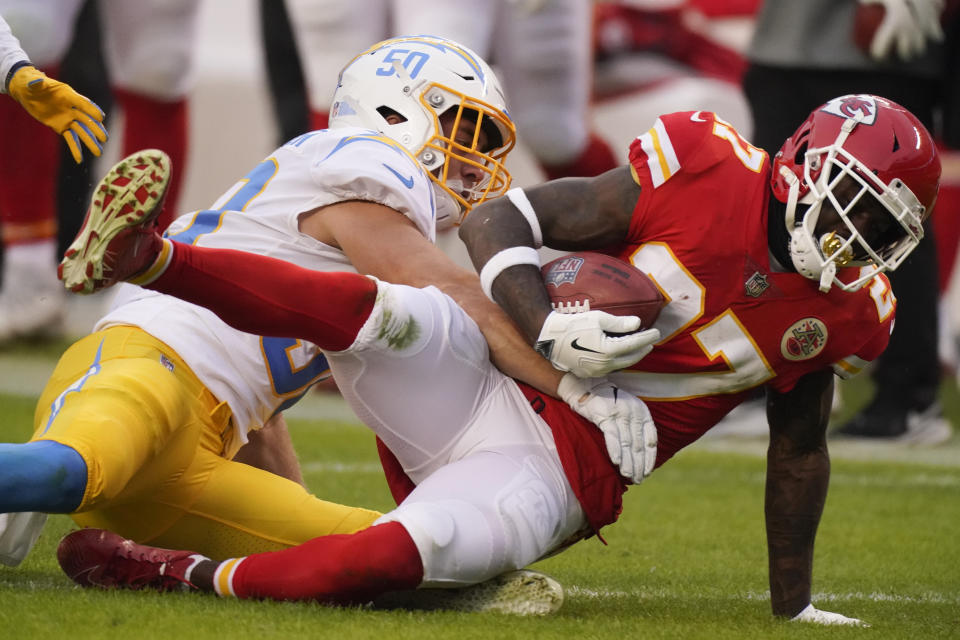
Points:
(98, 558)
(120, 236)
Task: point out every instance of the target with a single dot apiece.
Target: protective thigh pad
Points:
(531, 513)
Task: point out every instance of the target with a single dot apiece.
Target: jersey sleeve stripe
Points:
(661, 157)
(849, 367)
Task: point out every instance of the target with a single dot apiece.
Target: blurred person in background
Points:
(148, 51)
(801, 54)
(542, 50)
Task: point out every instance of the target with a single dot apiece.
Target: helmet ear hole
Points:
(387, 112)
(801, 153)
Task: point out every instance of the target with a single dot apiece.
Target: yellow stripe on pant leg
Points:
(138, 423)
(122, 413)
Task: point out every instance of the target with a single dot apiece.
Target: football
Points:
(606, 283)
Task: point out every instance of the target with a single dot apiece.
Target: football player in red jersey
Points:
(773, 272)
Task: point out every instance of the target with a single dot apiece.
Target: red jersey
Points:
(731, 323)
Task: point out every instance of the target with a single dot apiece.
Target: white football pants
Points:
(492, 495)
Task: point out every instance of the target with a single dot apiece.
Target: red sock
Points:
(154, 124)
(338, 569)
(596, 158)
(29, 165)
(270, 297)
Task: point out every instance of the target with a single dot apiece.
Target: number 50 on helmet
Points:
(420, 79)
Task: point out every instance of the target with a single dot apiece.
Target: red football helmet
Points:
(854, 152)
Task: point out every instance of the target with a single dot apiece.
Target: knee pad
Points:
(393, 323)
(531, 513)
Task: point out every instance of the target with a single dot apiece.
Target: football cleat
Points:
(119, 237)
(521, 593)
(103, 559)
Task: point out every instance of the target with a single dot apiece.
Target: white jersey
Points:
(258, 376)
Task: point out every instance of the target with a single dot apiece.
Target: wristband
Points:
(16, 67)
(521, 202)
(505, 259)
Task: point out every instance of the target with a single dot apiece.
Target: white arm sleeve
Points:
(10, 53)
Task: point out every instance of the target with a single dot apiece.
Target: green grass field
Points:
(686, 560)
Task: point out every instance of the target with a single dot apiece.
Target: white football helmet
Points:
(874, 165)
(420, 78)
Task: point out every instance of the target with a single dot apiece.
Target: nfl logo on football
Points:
(564, 271)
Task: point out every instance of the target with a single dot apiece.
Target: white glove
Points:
(628, 430)
(816, 616)
(907, 24)
(578, 342)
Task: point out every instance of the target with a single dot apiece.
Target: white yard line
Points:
(342, 467)
(26, 375)
(647, 594)
(947, 454)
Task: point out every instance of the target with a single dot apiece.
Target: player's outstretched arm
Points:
(798, 472)
(383, 243)
(569, 214)
(58, 106)
(53, 103)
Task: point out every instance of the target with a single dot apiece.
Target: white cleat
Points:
(520, 593)
(119, 236)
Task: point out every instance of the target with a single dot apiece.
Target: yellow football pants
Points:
(152, 437)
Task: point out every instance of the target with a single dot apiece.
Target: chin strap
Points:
(792, 197)
(826, 276)
(828, 271)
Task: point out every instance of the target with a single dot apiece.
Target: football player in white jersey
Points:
(420, 133)
(179, 392)
(494, 482)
